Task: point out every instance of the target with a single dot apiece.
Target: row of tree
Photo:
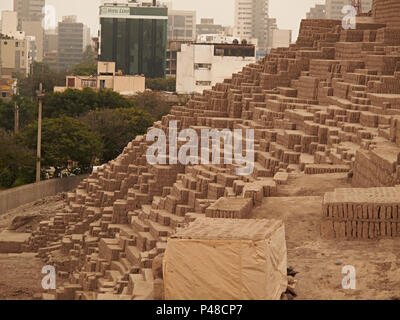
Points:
(80, 128)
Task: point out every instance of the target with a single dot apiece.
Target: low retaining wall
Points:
(13, 198)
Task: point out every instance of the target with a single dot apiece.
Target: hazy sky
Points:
(288, 12)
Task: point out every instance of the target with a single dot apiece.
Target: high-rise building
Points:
(50, 55)
(134, 36)
(317, 12)
(35, 29)
(14, 56)
(202, 65)
(173, 47)
(271, 26)
(87, 39)
(9, 22)
(29, 10)
(70, 42)
(334, 8)
(251, 18)
(181, 25)
(50, 41)
(207, 26)
(30, 18)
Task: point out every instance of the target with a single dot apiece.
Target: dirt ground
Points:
(319, 262)
(20, 274)
(36, 211)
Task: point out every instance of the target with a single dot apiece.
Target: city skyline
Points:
(286, 19)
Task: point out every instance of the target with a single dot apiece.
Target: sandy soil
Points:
(37, 211)
(20, 276)
(300, 184)
(319, 261)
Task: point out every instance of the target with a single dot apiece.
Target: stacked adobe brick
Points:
(326, 104)
(370, 213)
(386, 11)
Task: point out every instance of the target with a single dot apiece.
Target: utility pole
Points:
(16, 117)
(16, 108)
(40, 95)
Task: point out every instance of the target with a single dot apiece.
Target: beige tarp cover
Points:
(226, 259)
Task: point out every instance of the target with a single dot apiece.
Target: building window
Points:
(71, 82)
(202, 66)
(219, 52)
(89, 83)
(102, 84)
(203, 83)
(179, 21)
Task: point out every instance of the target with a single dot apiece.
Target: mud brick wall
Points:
(388, 36)
(395, 130)
(372, 213)
(378, 167)
(322, 69)
(348, 51)
(385, 65)
(386, 11)
(321, 168)
(381, 100)
(351, 35)
(386, 84)
(298, 117)
(307, 88)
(369, 119)
(233, 208)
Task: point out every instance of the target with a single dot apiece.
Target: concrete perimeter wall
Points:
(13, 198)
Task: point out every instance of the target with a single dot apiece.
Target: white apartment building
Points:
(9, 22)
(217, 38)
(251, 20)
(200, 66)
(334, 8)
(14, 56)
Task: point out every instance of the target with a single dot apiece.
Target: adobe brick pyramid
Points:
(329, 103)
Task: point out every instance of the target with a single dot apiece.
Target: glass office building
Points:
(135, 38)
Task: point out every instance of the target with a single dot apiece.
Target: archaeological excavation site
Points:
(318, 217)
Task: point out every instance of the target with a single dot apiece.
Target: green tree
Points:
(27, 112)
(160, 84)
(64, 140)
(84, 69)
(40, 73)
(88, 65)
(74, 103)
(152, 103)
(89, 55)
(117, 128)
(17, 163)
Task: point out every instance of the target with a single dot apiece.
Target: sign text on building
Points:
(115, 11)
